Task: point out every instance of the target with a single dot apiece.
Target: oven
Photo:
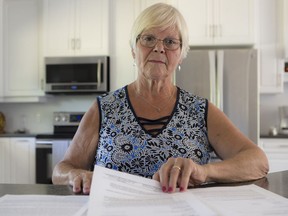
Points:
(43, 160)
(50, 148)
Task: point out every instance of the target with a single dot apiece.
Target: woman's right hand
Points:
(80, 180)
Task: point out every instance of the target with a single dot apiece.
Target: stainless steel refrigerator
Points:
(229, 79)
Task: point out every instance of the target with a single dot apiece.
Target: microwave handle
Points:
(99, 73)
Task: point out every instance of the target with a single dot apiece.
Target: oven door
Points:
(48, 153)
(43, 161)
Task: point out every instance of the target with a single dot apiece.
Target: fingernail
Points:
(181, 189)
(164, 189)
(170, 189)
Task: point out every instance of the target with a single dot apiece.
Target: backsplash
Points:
(38, 117)
(269, 112)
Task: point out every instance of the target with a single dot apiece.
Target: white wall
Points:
(269, 114)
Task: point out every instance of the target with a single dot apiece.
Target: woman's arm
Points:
(74, 168)
(242, 159)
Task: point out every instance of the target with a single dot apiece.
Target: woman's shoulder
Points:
(119, 93)
(189, 96)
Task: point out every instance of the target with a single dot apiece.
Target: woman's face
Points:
(157, 62)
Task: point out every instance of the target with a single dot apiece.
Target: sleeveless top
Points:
(126, 146)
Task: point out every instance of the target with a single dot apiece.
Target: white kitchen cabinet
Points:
(270, 46)
(219, 22)
(76, 27)
(17, 157)
(1, 53)
(5, 160)
(276, 150)
(285, 27)
(22, 72)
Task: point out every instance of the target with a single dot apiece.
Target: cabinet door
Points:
(277, 153)
(199, 18)
(76, 27)
(285, 28)
(233, 22)
(5, 160)
(219, 22)
(1, 54)
(21, 65)
(271, 69)
(59, 24)
(22, 159)
(91, 27)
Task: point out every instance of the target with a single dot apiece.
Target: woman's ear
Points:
(133, 53)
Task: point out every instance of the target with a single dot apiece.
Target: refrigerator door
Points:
(198, 74)
(240, 90)
(227, 78)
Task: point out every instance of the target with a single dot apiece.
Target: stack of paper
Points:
(117, 194)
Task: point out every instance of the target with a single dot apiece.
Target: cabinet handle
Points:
(216, 31)
(23, 141)
(99, 74)
(211, 31)
(42, 84)
(78, 43)
(73, 44)
(220, 30)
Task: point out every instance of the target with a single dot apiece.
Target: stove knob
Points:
(64, 119)
(57, 118)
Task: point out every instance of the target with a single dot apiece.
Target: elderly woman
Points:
(154, 129)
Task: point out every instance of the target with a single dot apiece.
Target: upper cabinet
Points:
(219, 22)
(20, 71)
(285, 26)
(270, 45)
(76, 27)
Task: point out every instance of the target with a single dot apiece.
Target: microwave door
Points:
(77, 75)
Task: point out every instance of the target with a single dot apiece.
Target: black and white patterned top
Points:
(126, 146)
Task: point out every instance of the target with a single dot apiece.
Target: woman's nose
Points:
(159, 47)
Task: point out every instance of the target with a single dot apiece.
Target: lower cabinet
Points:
(17, 160)
(276, 150)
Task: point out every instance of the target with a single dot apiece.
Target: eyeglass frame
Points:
(140, 37)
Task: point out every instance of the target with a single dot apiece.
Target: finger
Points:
(156, 176)
(164, 174)
(174, 176)
(77, 182)
(185, 177)
(86, 184)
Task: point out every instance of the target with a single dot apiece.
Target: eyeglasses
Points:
(150, 41)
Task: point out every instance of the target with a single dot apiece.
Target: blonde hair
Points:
(161, 16)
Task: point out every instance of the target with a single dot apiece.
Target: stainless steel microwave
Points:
(77, 75)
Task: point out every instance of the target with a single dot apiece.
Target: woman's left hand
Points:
(181, 172)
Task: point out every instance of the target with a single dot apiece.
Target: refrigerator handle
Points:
(220, 79)
(212, 71)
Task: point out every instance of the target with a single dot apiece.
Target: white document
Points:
(242, 200)
(49, 205)
(116, 193)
